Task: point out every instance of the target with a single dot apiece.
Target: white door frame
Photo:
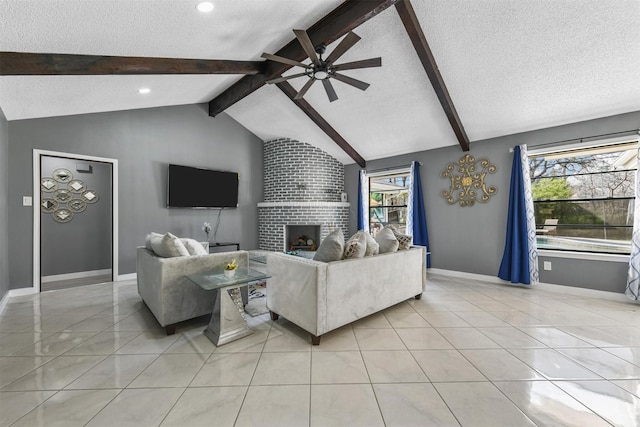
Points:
(36, 209)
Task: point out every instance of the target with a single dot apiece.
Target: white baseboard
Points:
(130, 276)
(551, 287)
(77, 275)
(14, 293)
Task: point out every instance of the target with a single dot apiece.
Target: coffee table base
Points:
(228, 322)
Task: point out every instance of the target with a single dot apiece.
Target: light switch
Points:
(27, 201)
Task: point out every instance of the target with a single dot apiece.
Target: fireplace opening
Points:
(301, 237)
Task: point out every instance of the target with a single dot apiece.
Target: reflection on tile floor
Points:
(467, 353)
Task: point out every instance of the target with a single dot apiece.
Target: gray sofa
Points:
(171, 297)
(320, 297)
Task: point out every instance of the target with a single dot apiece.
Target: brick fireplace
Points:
(302, 187)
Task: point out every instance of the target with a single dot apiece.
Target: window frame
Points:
(381, 174)
(577, 147)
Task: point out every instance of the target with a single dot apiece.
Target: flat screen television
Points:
(190, 187)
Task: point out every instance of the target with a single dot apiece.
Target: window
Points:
(388, 199)
(584, 198)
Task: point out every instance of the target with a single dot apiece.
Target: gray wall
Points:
(144, 142)
(471, 239)
(4, 199)
(84, 243)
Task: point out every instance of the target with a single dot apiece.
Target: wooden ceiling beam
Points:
(306, 108)
(414, 30)
(47, 64)
(336, 24)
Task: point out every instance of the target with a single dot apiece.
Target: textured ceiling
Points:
(509, 66)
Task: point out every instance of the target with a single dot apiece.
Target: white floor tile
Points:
(170, 370)
(602, 363)
(391, 366)
(606, 399)
(277, 406)
(116, 371)
(338, 367)
(226, 369)
(348, 405)
(553, 365)
(200, 406)
(68, 408)
(481, 404)
(500, 365)
(446, 365)
(548, 405)
(137, 407)
(283, 368)
(104, 357)
(15, 404)
(417, 404)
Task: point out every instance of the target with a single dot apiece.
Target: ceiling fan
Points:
(324, 69)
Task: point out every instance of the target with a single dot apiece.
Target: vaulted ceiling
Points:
(508, 66)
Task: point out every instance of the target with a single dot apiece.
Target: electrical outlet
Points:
(547, 265)
(27, 201)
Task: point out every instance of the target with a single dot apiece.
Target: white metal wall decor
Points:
(62, 196)
(469, 186)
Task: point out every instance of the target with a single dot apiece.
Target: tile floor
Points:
(469, 353)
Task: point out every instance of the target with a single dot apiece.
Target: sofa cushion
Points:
(373, 248)
(404, 240)
(356, 246)
(149, 238)
(169, 246)
(194, 247)
(331, 248)
(387, 241)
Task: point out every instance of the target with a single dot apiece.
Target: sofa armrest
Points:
(297, 290)
(169, 294)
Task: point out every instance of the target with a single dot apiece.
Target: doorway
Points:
(75, 220)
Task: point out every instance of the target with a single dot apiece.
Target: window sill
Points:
(583, 255)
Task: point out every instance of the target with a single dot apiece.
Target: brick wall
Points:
(297, 171)
(272, 218)
(302, 186)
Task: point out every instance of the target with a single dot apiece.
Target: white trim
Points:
(583, 255)
(14, 293)
(403, 169)
(305, 204)
(551, 287)
(37, 153)
(77, 275)
(130, 276)
(537, 152)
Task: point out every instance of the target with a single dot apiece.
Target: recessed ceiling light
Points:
(144, 90)
(205, 6)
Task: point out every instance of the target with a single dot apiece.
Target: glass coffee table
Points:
(228, 322)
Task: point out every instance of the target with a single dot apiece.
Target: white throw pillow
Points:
(373, 248)
(356, 246)
(331, 248)
(194, 247)
(150, 238)
(169, 246)
(387, 241)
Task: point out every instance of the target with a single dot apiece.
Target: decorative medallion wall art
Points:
(468, 186)
(62, 196)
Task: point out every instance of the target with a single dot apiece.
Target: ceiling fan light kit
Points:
(324, 69)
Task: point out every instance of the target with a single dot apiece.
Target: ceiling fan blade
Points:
(304, 89)
(347, 43)
(282, 79)
(328, 87)
(351, 81)
(364, 63)
(283, 60)
(307, 45)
